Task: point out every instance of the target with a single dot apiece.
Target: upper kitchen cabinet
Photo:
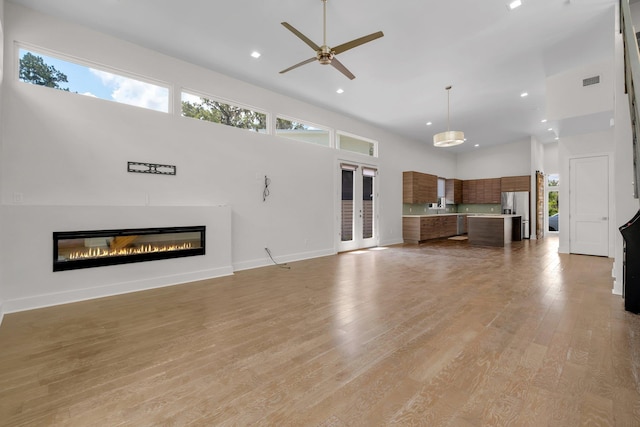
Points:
(516, 183)
(419, 188)
(480, 191)
(453, 191)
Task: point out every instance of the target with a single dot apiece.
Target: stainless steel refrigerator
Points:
(517, 203)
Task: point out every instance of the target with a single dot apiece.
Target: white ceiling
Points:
(487, 53)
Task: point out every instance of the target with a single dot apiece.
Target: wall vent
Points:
(591, 81)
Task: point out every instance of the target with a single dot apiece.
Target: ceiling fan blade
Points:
(357, 42)
(338, 66)
(299, 64)
(301, 36)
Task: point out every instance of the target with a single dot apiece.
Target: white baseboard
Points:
(617, 288)
(51, 299)
(264, 262)
(391, 242)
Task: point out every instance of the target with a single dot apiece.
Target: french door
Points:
(358, 218)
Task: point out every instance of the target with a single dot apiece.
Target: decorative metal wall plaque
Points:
(152, 168)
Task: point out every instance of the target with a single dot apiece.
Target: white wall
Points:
(626, 205)
(635, 14)
(551, 158)
(494, 162)
(2, 296)
(64, 150)
(567, 97)
(28, 277)
(537, 164)
(599, 143)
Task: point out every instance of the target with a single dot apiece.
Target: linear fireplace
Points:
(96, 248)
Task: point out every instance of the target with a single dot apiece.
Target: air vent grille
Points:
(591, 81)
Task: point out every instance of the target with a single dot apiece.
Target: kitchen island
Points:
(494, 230)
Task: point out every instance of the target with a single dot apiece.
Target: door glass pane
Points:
(347, 205)
(553, 210)
(367, 207)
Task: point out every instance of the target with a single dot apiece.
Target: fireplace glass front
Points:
(84, 249)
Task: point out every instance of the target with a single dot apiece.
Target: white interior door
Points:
(358, 228)
(589, 205)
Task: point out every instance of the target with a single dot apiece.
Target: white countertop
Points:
(420, 216)
(462, 213)
(495, 216)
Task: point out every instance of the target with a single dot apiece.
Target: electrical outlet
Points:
(18, 198)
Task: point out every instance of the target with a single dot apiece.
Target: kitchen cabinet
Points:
(416, 229)
(419, 188)
(494, 230)
(453, 191)
(479, 191)
(515, 183)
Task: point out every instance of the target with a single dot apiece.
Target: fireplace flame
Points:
(144, 249)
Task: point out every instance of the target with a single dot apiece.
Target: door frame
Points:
(565, 203)
(375, 240)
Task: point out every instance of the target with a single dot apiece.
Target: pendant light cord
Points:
(448, 88)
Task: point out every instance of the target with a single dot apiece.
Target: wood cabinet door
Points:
(516, 183)
(493, 195)
(419, 188)
(453, 191)
(470, 191)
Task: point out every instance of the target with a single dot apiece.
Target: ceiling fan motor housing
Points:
(325, 55)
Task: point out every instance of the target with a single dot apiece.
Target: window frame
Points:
(361, 138)
(18, 45)
(330, 131)
(229, 102)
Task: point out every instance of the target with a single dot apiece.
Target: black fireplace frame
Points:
(59, 265)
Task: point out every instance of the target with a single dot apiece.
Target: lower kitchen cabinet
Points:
(416, 229)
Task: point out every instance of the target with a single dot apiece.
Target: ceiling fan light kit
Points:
(324, 54)
(449, 138)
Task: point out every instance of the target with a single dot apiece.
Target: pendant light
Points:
(450, 137)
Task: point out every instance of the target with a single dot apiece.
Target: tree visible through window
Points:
(34, 70)
(56, 73)
(218, 112)
(553, 187)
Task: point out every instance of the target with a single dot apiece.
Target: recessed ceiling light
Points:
(523, 94)
(477, 145)
(543, 121)
(550, 129)
(557, 138)
(429, 123)
(340, 91)
(255, 54)
(514, 4)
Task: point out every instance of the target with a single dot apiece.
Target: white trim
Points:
(265, 262)
(362, 138)
(17, 45)
(1, 311)
(51, 299)
(330, 131)
(611, 196)
(338, 244)
(223, 100)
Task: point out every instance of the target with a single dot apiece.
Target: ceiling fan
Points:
(325, 54)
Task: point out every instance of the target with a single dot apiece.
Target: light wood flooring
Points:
(440, 334)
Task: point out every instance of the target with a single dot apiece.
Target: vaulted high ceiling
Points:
(489, 54)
